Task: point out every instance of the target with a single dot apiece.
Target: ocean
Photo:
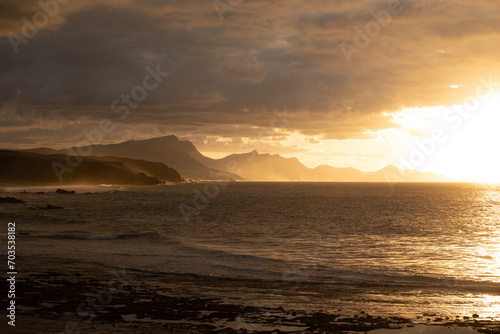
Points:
(411, 250)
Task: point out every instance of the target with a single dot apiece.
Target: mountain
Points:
(335, 174)
(184, 157)
(181, 155)
(33, 168)
(263, 167)
(394, 174)
(154, 169)
(273, 167)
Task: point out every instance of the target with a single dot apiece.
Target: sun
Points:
(473, 150)
(470, 151)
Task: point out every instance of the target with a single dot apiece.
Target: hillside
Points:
(33, 168)
(155, 169)
(168, 150)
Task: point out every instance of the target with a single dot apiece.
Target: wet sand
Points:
(68, 297)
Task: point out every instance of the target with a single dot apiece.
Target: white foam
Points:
(426, 330)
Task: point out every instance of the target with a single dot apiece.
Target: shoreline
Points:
(64, 296)
(16, 185)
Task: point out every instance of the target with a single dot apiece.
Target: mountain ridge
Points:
(184, 157)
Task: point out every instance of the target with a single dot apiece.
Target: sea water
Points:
(403, 249)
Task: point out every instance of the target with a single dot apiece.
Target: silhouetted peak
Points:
(390, 168)
(169, 139)
(173, 141)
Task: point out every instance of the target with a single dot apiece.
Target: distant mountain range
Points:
(170, 159)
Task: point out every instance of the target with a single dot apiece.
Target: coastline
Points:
(62, 291)
(63, 296)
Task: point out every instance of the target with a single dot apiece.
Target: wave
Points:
(225, 264)
(322, 283)
(184, 257)
(147, 235)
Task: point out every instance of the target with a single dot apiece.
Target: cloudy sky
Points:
(344, 82)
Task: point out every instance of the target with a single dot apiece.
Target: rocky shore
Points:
(73, 297)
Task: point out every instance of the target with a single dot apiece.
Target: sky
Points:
(348, 83)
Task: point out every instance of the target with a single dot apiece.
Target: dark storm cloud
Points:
(226, 76)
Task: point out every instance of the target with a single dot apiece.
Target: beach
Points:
(121, 259)
(92, 299)
(88, 298)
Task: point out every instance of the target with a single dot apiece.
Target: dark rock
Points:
(51, 207)
(475, 315)
(11, 200)
(65, 192)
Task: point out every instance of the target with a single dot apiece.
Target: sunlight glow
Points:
(479, 138)
(472, 135)
(418, 118)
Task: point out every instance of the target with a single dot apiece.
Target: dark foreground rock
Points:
(65, 192)
(11, 200)
(51, 207)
